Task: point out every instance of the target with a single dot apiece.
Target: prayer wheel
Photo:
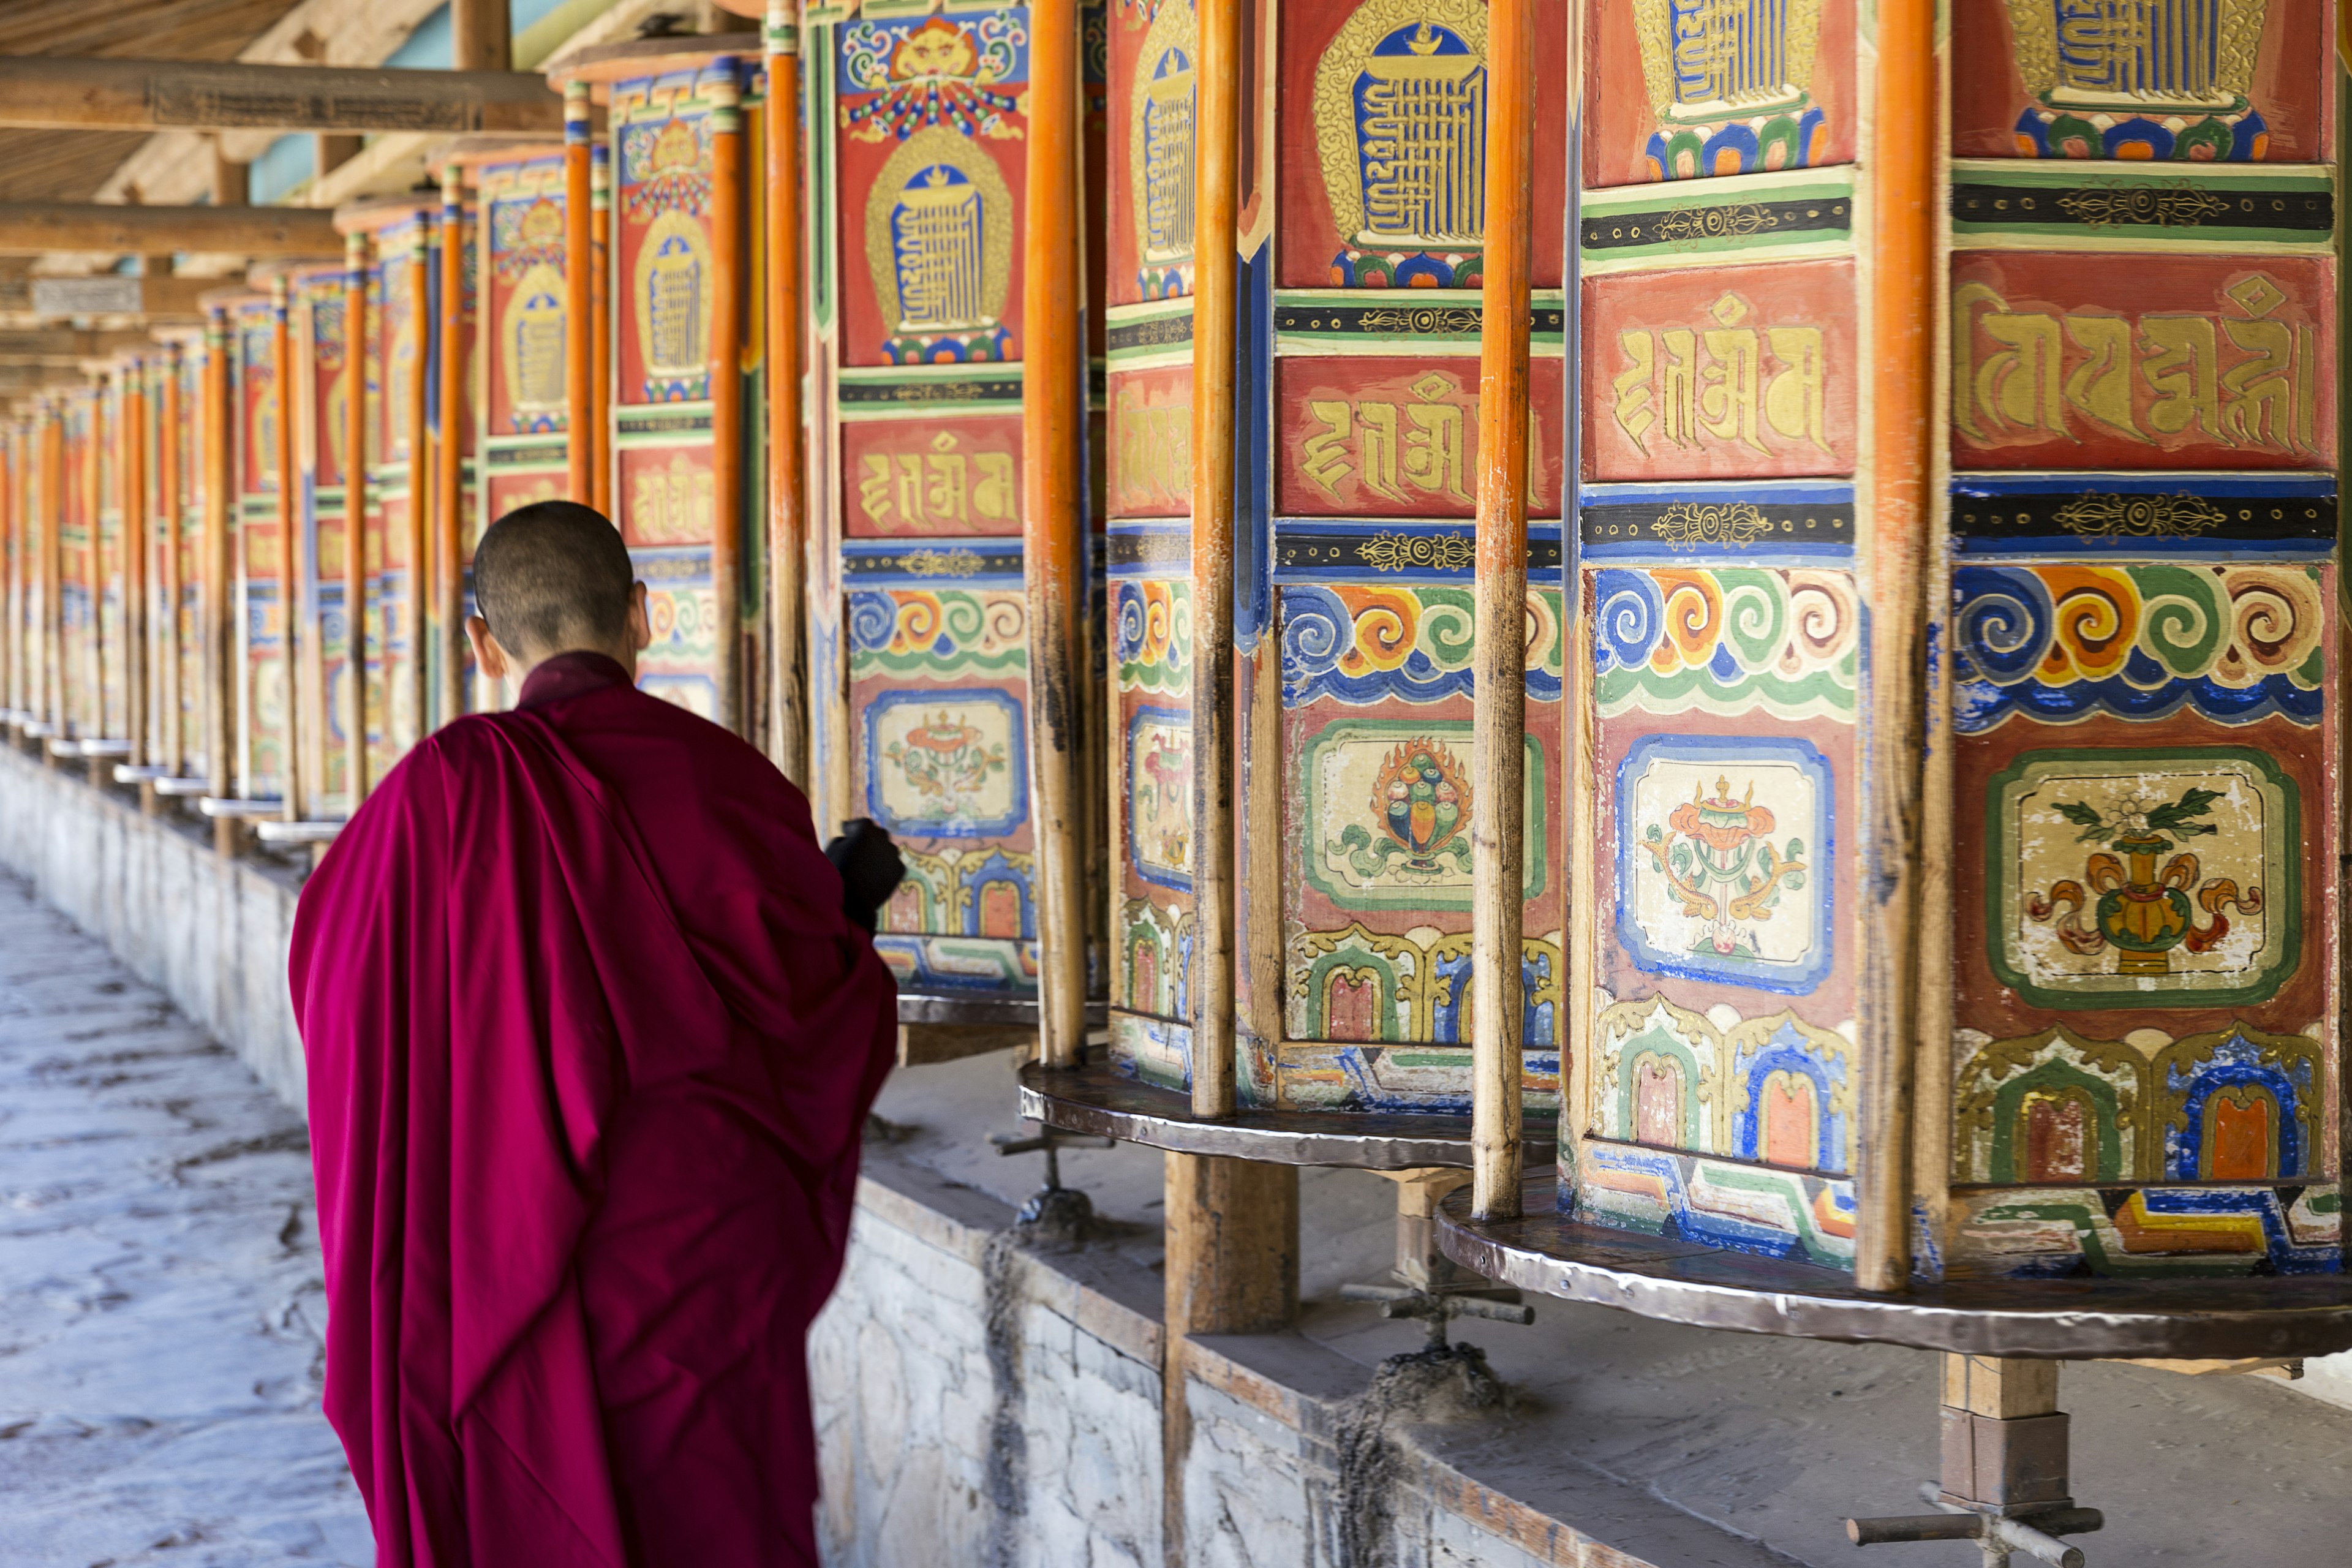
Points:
(925, 694)
(672, 447)
(184, 435)
(325, 380)
(524, 417)
(81, 690)
(256, 719)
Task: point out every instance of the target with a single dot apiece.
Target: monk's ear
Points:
(489, 656)
(641, 625)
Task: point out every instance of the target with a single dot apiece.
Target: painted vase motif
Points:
(947, 761)
(1423, 807)
(2142, 912)
(1717, 854)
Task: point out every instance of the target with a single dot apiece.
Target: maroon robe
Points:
(591, 1044)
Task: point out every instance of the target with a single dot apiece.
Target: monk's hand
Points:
(870, 869)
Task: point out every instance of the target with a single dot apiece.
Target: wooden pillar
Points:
(600, 326)
(137, 542)
(1499, 588)
(90, 723)
(1053, 385)
(1215, 320)
(53, 527)
(419, 283)
(579, 304)
(1231, 1269)
(728, 261)
(1893, 559)
(219, 612)
(293, 556)
(355, 529)
(788, 717)
(170, 488)
(448, 617)
(12, 476)
(481, 35)
(332, 150)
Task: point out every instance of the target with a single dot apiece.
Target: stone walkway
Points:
(160, 1302)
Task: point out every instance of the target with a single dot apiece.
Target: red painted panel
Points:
(666, 495)
(1399, 437)
(957, 476)
(1722, 373)
(1150, 446)
(2150, 363)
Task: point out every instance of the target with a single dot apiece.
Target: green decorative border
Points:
(1784, 217)
(2015, 203)
(1385, 731)
(895, 392)
(1408, 323)
(2282, 905)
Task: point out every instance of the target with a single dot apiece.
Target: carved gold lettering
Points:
(993, 492)
(2180, 370)
(1796, 400)
(1324, 458)
(1632, 410)
(2261, 410)
(2101, 386)
(1376, 450)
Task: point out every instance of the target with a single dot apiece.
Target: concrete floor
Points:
(160, 1300)
(1773, 1440)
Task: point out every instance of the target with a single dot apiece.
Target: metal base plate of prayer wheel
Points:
(1713, 1287)
(1092, 1099)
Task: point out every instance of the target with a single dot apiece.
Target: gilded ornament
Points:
(2109, 516)
(939, 242)
(1400, 111)
(2175, 204)
(1696, 522)
(1426, 552)
(1159, 145)
(1710, 61)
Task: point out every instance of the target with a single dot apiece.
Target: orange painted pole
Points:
(1894, 558)
(788, 718)
(1052, 512)
(53, 565)
(92, 723)
(292, 589)
(600, 327)
(219, 603)
(417, 678)
(169, 490)
(1499, 590)
(137, 541)
(727, 382)
(448, 457)
(355, 512)
(578, 299)
(1215, 310)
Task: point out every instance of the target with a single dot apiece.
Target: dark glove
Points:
(870, 869)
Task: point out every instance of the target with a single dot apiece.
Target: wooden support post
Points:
(578, 301)
(37, 229)
(330, 150)
(232, 182)
(1499, 702)
(1215, 320)
(481, 35)
(788, 716)
(219, 612)
(448, 577)
(1053, 382)
(293, 558)
(48, 92)
(170, 490)
(90, 723)
(600, 328)
(11, 534)
(53, 556)
(418, 543)
(729, 263)
(131, 485)
(355, 530)
(1231, 1268)
(2004, 1438)
(1894, 558)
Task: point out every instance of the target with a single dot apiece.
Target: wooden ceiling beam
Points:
(37, 229)
(67, 346)
(42, 92)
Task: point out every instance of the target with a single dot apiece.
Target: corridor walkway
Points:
(160, 1304)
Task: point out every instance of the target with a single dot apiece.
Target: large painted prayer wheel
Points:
(262, 705)
(325, 380)
(184, 432)
(1362, 252)
(524, 421)
(677, 288)
(1954, 952)
(918, 656)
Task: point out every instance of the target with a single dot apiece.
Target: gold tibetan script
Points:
(672, 505)
(938, 236)
(938, 486)
(1160, 138)
(1705, 60)
(1155, 447)
(534, 342)
(1386, 446)
(2129, 57)
(1400, 110)
(1695, 386)
(2241, 379)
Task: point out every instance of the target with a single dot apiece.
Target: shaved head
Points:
(551, 577)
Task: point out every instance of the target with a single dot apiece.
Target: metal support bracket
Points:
(1997, 1534)
(1055, 1210)
(1430, 1287)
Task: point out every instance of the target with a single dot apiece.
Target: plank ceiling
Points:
(58, 165)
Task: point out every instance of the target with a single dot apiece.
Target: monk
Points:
(592, 1038)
